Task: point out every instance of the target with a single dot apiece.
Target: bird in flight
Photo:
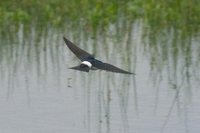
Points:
(88, 62)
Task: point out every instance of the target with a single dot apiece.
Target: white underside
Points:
(87, 63)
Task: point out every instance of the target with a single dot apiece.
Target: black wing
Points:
(109, 67)
(81, 54)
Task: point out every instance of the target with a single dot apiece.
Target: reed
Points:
(182, 15)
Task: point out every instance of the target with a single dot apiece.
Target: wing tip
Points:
(65, 39)
(130, 73)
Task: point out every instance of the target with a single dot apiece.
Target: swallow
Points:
(88, 62)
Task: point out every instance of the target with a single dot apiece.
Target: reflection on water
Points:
(39, 94)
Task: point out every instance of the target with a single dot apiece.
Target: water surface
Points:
(39, 93)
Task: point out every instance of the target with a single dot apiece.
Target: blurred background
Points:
(157, 40)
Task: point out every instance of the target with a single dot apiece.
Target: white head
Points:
(87, 63)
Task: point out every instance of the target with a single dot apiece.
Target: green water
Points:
(181, 15)
(157, 40)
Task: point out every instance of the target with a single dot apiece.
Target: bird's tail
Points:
(84, 69)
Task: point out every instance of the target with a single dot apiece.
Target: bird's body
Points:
(88, 62)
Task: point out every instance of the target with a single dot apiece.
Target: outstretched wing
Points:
(109, 67)
(81, 54)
